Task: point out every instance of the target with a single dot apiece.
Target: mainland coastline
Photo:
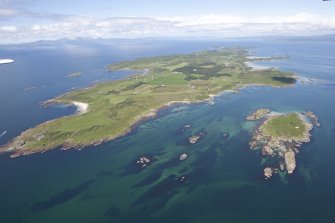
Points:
(107, 111)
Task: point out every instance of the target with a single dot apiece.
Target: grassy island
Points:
(112, 108)
(285, 126)
(280, 137)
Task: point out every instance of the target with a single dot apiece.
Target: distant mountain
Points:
(99, 41)
(304, 38)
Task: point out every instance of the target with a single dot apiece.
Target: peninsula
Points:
(279, 136)
(109, 110)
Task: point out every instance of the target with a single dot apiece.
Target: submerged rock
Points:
(182, 179)
(188, 126)
(282, 165)
(184, 128)
(225, 135)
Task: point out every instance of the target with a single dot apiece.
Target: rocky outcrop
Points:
(290, 161)
(260, 113)
(268, 171)
(313, 118)
(183, 156)
(143, 161)
(194, 139)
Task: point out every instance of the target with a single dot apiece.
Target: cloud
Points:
(8, 29)
(7, 12)
(54, 26)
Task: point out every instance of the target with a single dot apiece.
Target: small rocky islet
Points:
(183, 156)
(197, 137)
(143, 161)
(280, 135)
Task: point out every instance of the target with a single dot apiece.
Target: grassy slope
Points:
(115, 106)
(285, 126)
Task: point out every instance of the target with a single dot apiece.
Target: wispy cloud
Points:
(8, 29)
(7, 12)
(54, 26)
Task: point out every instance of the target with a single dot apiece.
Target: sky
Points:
(32, 20)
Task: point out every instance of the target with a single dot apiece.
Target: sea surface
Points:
(225, 181)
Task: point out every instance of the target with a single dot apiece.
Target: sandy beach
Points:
(81, 107)
(256, 66)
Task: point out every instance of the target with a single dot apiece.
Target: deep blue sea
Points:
(225, 180)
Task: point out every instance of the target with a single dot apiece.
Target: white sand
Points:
(5, 61)
(254, 58)
(256, 66)
(81, 107)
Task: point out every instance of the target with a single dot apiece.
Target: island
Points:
(279, 137)
(111, 109)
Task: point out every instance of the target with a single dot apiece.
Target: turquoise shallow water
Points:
(225, 180)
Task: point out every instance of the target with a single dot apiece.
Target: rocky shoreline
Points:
(283, 148)
(260, 113)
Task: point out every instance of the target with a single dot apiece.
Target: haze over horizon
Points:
(32, 20)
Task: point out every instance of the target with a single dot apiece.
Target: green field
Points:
(290, 125)
(115, 106)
